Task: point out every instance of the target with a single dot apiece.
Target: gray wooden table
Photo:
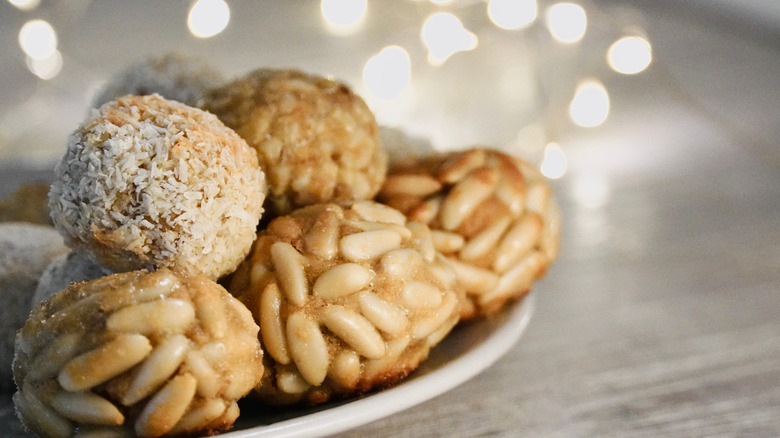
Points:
(662, 315)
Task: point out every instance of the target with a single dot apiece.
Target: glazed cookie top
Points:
(316, 140)
(148, 182)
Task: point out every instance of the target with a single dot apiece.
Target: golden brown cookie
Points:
(492, 217)
(316, 140)
(156, 353)
(346, 300)
(148, 182)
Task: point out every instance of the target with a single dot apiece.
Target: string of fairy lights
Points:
(389, 72)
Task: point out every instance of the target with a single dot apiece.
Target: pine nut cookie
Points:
(316, 140)
(346, 299)
(148, 182)
(492, 217)
(151, 354)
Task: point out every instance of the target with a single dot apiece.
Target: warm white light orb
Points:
(444, 35)
(512, 14)
(343, 14)
(554, 163)
(208, 18)
(38, 39)
(630, 55)
(46, 68)
(25, 5)
(567, 22)
(388, 73)
(591, 190)
(590, 106)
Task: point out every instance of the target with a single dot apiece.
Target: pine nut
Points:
(102, 363)
(375, 212)
(520, 239)
(410, 185)
(355, 330)
(346, 368)
(166, 315)
(342, 280)
(86, 408)
(157, 368)
(465, 196)
(386, 316)
(369, 244)
(479, 246)
(419, 295)
(322, 238)
(290, 272)
(307, 348)
(166, 407)
(271, 325)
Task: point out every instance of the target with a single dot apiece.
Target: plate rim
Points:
(409, 393)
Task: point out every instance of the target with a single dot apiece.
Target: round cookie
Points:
(148, 182)
(25, 251)
(316, 140)
(173, 76)
(346, 299)
(491, 215)
(136, 354)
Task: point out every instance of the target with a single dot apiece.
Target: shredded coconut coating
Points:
(148, 182)
(316, 140)
(171, 75)
(25, 250)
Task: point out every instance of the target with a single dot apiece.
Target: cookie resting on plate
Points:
(346, 299)
(150, 354)
(492, 216)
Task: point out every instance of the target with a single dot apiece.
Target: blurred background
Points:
(540, 78)
(656, 120)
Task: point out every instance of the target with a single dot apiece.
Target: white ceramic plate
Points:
(467, 351)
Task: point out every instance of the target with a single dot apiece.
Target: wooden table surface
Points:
(661, 316)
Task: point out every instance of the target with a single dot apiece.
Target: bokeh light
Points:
(567, 22)
(208, 18)
(554, 163)
(444, 35)
(512, 14)
(388, 73)
(25, 5)
(46, 68)
(590, 105)
(38, 39)
(343, 16)
(630, 55)
(591, 190)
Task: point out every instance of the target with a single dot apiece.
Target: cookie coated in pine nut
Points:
(148, 182)
(346, 298)
(316, 140)
(492, 217)
(136, 354)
